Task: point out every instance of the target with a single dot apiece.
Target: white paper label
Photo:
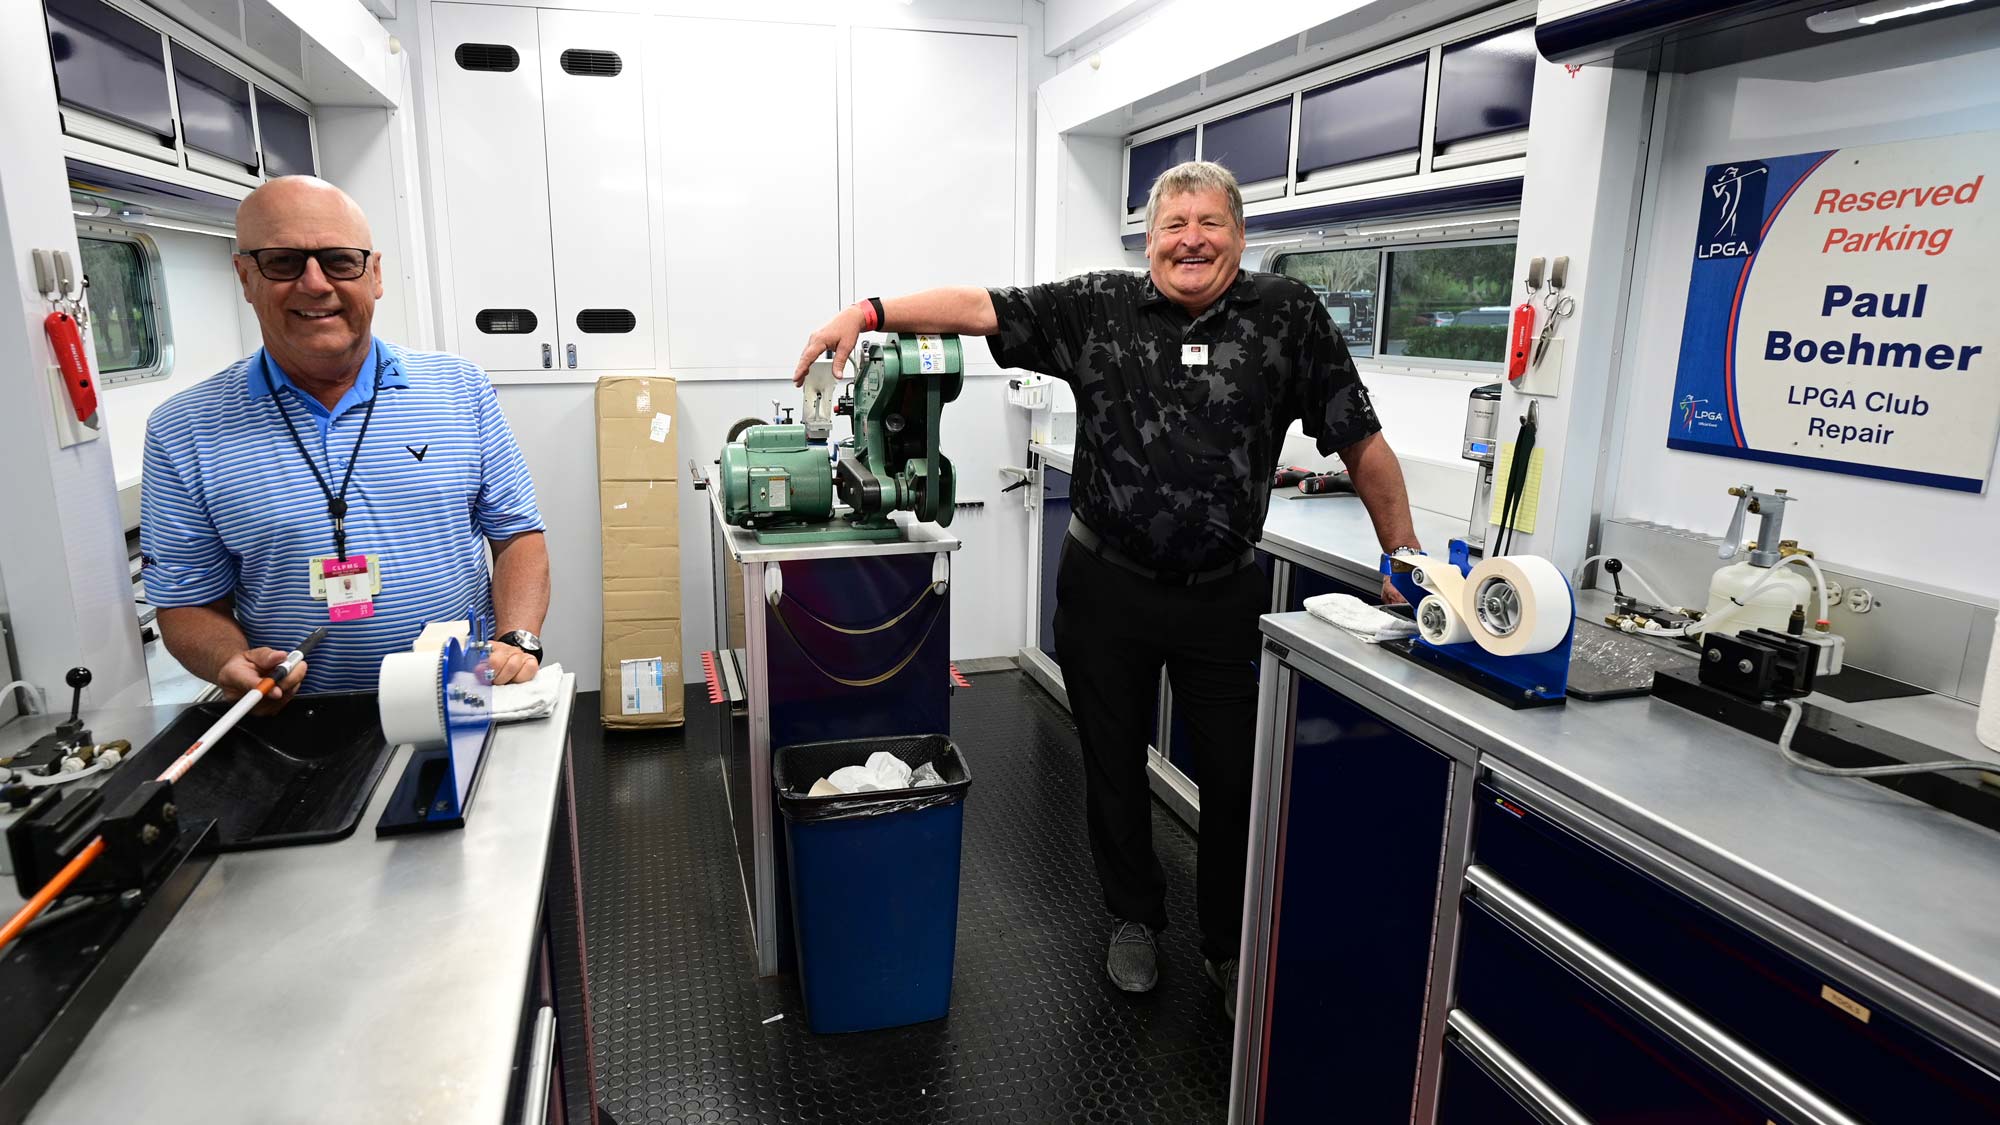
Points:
(1194, 355)
(930, 354)
(643, 682)
(643, 402)
(663, 425)
(781, 493)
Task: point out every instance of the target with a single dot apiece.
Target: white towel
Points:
(1358, 618)
(535, 699)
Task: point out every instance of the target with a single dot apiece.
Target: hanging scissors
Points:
(1560, 305)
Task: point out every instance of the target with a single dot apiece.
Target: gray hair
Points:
(1191, 177)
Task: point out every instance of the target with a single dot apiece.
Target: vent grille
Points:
(606, 320)
(498, 57)
(592, 64)
(506, 322)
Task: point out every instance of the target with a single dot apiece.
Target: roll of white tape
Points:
(1440, 623)
(1517, 604)
(1440, 578)
(407, 693)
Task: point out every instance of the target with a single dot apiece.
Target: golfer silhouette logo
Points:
(1733, 190)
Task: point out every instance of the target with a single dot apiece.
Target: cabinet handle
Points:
(541, 1069)
(548, 356)
(1669, 1016)
(571, 350)
(1511, 1073)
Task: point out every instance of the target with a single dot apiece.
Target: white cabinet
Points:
(752, 191)
(541, 122)
(936, 183)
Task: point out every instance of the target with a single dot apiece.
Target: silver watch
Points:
(525, 641)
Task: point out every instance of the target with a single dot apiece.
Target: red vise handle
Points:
(67, 340)
(1521, 340)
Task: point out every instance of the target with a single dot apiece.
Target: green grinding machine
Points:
(782, 480)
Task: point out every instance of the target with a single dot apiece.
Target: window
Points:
(287, 135)
(114, 67)
(1446, 303)
(128, 323)
(215, 113)
(1149, 160)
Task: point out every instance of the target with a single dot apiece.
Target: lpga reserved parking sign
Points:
(1844, 312)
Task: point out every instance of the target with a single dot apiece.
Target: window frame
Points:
(1468, 232)
(162, 366)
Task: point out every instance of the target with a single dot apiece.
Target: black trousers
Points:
(1114, 631)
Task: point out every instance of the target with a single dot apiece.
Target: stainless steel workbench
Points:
(362, 980)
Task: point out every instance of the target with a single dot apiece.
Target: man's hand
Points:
(839, 334)
(241, 673)
(509, 665)
(1391, 595)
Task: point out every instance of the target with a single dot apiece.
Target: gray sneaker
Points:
(1133, 963)
(1224, 976)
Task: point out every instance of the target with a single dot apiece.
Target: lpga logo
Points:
(1692, 412)
(1733, 190)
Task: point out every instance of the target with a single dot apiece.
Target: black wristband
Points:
(880, 316)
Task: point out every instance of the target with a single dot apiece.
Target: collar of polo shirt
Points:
(1242, 291)
(357, 395)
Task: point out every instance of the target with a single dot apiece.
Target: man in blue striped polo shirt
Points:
(281, 493)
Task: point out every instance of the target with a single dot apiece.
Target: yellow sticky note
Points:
(1531, 489)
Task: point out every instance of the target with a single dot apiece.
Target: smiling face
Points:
(315, 327)
(1194, 246)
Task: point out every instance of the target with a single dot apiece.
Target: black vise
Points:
(1759, 664)
(138, 834)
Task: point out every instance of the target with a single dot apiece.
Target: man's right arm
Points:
(209, 643)
(965, 310)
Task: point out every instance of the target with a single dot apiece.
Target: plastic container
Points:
(874, 884)
(1772, 606)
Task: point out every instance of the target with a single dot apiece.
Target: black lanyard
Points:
(336, 503)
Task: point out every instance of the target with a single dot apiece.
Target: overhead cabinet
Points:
(126, 85)
(542, 129)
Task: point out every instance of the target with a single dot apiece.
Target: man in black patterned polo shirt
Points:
(1186, 379)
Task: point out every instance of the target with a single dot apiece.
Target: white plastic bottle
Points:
(1771, 608)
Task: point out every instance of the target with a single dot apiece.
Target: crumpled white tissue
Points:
(1358, 618)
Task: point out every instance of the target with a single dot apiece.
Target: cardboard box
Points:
(638, 508)
(635, 429)
(642, 675)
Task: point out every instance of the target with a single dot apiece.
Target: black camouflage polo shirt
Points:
(1174, 461)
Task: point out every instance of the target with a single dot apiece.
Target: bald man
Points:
(332, 478)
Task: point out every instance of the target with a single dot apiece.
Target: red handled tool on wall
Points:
(1521, 332)
(66, 340)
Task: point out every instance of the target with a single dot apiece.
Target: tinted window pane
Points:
(122, 332)
(1151, 159)
(1253, 144)
(1380, 113)
(1345, 282)
(1486, 86)
(1449, 302)
(287, 138)
(110, 64)
(215, 108)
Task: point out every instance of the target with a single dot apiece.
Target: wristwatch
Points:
(525, 641)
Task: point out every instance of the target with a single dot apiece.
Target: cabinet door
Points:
(495, 195)
(936, 180)
(752, 185)
(593, 95)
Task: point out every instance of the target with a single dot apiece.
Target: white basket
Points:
(1031, 392)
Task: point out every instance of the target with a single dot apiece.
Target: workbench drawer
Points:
(1832, 1035)
(1484, 1084)
(1603, 1059)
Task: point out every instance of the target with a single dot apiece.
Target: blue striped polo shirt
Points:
(230, 508)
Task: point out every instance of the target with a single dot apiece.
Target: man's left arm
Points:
(520, 601)
(1378, 480)
(505, 513)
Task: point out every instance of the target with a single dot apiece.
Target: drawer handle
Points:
(541, 1069)
(1500, 1065)
(1672, 1018)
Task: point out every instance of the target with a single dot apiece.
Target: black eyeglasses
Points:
(288, 263)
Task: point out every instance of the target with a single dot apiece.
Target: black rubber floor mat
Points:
(1036, 1033)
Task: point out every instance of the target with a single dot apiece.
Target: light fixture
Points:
(1870, 14)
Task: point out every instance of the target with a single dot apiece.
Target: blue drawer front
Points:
(1604, 1060)
(1469, 1096)
(1884, 1070)
(1055, 527)
(1363, 842)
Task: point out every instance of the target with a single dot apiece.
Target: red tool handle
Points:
(1521, 340)
(67, 340)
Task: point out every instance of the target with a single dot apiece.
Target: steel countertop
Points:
(361, 980)
(1912, 888)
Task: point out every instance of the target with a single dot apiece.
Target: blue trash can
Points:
(874, 884)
